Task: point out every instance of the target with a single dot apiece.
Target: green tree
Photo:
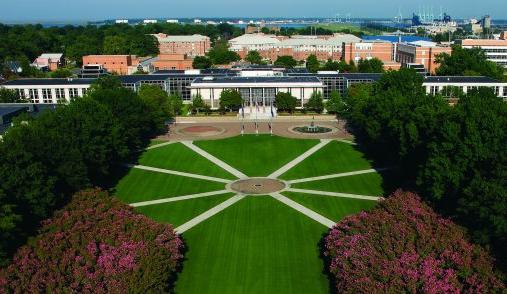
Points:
(285, 102)
(201, 62)
(312, 63)
(158, 102)
(230, 100)
(468, 62)
(373, 65)
(465, 174)
(286, 61)
(61, 73)
(335, 104)
(254, 57)
(197, 104)
(9, 96)
(220, 54)
(116, 45)
(315, 103)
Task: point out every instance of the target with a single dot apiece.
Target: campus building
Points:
(299, 47)
(258, 86)
(195, 45)
(421, 53)
(172, 62)
(49, 91)
(385, 51)
(118, 64)
(49, 61)
(496, 50)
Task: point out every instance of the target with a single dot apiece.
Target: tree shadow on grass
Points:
(171, 283)
(327, 263)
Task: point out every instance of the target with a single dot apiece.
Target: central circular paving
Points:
(257, 186)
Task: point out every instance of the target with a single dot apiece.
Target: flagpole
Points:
(256, 118)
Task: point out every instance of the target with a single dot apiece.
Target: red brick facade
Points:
(118, 64)
(173, 62)
(195, 45)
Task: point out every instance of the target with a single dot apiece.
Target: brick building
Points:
(195, 45)
(382, 50)
(422, 53)
(495, 50)
(119, 64)
(49, 61)
(172, 62)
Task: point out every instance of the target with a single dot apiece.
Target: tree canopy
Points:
(230, 100)
(285, 102)
(373, 65)
(254, 57)
(286, 61)
(315, 103)
(312, 64)
(220, 54)
(201, 62)
(471, 62)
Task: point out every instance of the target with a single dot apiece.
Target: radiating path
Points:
(215, 160)
(204, 216)
(306, 211)
(299, 159)
(340, 175)
(180, 198)
(334, 194)
(178, 173)
(160, 145)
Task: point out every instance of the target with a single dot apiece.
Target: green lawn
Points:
(178, 213)
(140, 185)
(179, 157)
(156, 142)
(335, 157)
(365, 184)
(334, 208)
(257, 155)
(258, 245)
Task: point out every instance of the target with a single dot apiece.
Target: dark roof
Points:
(275, 79)
(348, 76)
(209, 71)
(11, 109)
(460, 79)
(29, 82)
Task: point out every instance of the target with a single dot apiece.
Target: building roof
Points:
(254, 39)
(482, 42)
(192, 38)
(11, 109)
(460, 79)
(35, 82)
(248, 80)
(423, 43)
(51, 55)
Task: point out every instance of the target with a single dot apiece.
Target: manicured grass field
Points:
(256, 246)
(334, 208)
(178, 157)
(140, 185)
(365, 184)
(177, 213)
(335, 157)
(257, 155)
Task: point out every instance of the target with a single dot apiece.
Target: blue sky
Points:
(26, 10)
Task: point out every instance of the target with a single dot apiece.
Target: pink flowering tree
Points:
(403, 246)
(95, 244)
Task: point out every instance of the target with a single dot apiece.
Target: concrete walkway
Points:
(160, 145)
(334, 194)
(340, 175)
(299, 159)
(178, 173)
(180, 198)
(308, 212)
(215, 160)
(204, 216)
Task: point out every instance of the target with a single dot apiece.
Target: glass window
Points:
(33, 95)
(47, 96)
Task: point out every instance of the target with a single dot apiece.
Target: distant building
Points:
(122, 21)
(13, 67)
(172, 21)
(150, 21)
(94, 71)
(443, 85)
(119, 64)
(385, 51)
(299, 47)
(172, 62)
(421, 52)
(195, 45)
(49, 61)
(49, 91)
(496, 50)
(8, 111)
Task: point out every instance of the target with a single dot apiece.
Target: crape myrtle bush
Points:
(403, 246)
(95, 244)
